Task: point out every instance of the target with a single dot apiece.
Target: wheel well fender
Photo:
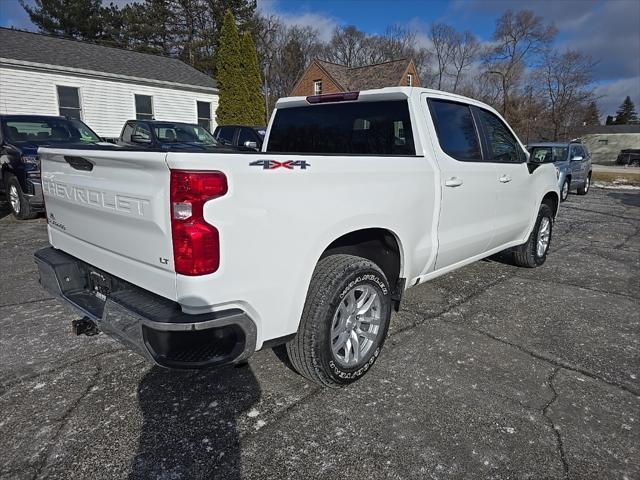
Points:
(379, 245)
(551, 199)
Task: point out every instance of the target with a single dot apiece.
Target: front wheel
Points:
(344, 322)
(533, 253)
(17, 200)
(585, 188)
(564, 191)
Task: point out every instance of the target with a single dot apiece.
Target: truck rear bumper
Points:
(150, 324)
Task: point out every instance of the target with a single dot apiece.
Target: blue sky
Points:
(609, 31)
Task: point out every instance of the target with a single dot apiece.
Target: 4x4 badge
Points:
(274, 164)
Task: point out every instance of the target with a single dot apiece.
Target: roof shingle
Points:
(368, 77)
(49, 50)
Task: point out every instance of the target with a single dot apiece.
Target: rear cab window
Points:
(354, 128)
(456, 130)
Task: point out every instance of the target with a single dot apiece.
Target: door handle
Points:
(453, 182)
(505, 179)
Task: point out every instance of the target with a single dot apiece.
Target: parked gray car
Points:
(572, 161)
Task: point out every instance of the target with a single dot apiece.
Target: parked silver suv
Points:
(572, 161)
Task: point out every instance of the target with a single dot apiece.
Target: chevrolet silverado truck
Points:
(201, 259)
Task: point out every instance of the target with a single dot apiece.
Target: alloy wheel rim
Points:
(544, 235)
(586, 185)
(565, 190)
(14, 198)
(356, 325)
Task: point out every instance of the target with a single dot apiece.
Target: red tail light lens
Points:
(334, 97)
(196, 243)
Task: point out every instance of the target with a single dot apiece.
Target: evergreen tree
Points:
(80, 19)
(626, 112)
(591, 114)
(233, 98)
(256, 112)
(609, 120)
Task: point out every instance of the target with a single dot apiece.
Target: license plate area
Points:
(100, 284)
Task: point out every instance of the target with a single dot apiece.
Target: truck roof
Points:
(387, 93)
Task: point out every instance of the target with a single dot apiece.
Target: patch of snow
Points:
(253, 413)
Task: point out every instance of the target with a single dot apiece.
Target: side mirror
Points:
(577, 158)
(140, 139)
(250, 144)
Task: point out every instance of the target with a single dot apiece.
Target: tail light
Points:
(196, 244)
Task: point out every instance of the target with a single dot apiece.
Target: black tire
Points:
(564, 194)
(526, 255)
(584, 189)
(310, 351)
(23, 210)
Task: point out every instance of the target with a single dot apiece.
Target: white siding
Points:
(106, 104)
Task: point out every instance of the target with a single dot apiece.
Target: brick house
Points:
(326, 77)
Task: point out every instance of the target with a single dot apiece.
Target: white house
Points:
(102, 86)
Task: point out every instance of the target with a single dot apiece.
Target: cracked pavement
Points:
(489, 372)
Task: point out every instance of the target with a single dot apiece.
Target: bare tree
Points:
(347, 46)
(518, 36)
(564, 79)
(464, 53)
(443, 40)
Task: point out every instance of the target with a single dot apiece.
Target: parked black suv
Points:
(241, 137)
(20, 138)
(163, 135)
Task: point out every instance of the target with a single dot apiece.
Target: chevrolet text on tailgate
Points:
(200, 259)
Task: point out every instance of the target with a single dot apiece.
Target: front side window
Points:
(246, 135)
(144, 107)
(204, 115)
(69, 102)
(503, 146)
(560, 154)
(456, 130)
(317, 87)
(360, 128)
(225, 135)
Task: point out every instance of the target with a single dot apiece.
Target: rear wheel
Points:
(533, 253)
(344, 322)
(564, 191)
(17, 200)
(585, 188)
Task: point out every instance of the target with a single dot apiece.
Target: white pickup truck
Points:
(201, 259)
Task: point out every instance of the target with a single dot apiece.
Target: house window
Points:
(410, 80)
(204, 115)
(317, 87)
(144, 107)
(69, 102)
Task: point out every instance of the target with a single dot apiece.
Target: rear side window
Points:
(456, 130)
(560, 154)
(126, 133)
(503, 146)
(362, 128)
(225, 135)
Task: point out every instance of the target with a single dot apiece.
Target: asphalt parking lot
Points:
(489, 372)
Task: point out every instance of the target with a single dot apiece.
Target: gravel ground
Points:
(489, 372)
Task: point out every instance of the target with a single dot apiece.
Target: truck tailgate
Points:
(111, 209)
